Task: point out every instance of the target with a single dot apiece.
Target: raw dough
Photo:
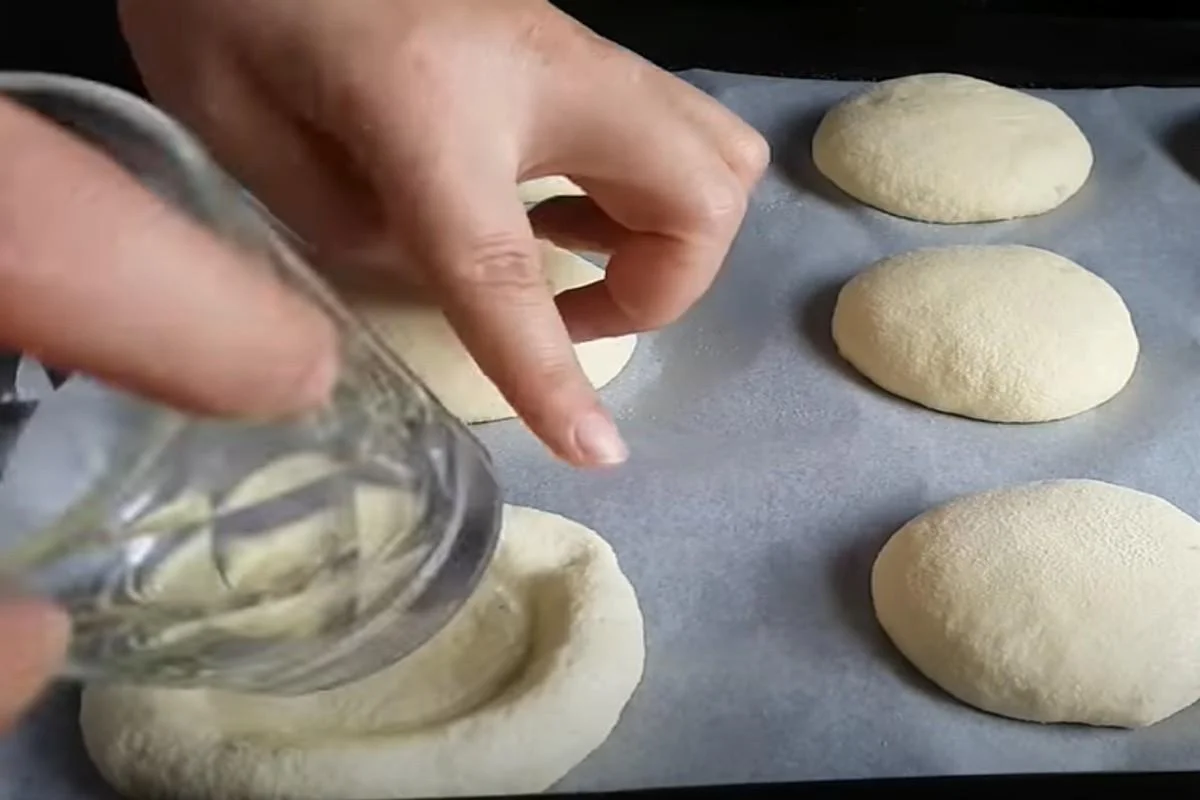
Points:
(1004, 333)
(527, 680)
(539, 189)
(948, 148)
(258, 562)
(422, 337)
(1063, 601)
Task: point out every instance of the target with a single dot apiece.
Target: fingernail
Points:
(599, 441)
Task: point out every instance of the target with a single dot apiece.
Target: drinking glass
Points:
(283, 558)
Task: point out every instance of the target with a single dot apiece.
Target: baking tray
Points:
(765, 476)
(1023, 42)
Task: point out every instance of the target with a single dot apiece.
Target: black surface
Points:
(74, 37)
(984, 787)
(1048, 43)
(1066, 44)
(1054, 43)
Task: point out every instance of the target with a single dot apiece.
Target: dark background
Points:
(1047, 43)
(1023, 42)
(1066, 44)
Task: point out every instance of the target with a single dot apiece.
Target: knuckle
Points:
(420, 53)
(500, 263)
(543, 395)
(749, 155)
(559, 374)
(720, 202)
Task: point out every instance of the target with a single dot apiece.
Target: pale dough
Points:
(527, 680)
(1063, 601)
(948, 148)
(535, 191)
(188, 576)
(419, 333)
(1004, 333)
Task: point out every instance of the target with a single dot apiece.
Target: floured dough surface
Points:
(527, 680)
(1062, 601)
(539, 189)
(421, 336)
(949, 148)
(209, 570)
(1004, 333)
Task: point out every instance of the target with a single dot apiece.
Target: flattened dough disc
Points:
(527, 680)
(421, 336)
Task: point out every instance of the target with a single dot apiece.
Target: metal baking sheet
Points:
(766, 475)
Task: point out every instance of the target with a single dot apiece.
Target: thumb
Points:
(33, 640)
(98, 274)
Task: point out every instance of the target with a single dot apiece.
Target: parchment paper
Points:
(766, 475)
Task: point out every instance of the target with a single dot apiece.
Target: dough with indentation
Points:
(419, 333)
(1061, 601)
(1004, 333)
(949, 148)
(527, 680)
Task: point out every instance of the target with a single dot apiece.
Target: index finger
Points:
(98, 274)
(452, 201)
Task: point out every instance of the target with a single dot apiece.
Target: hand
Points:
(399, 128)
(96, 274)
(34, 637)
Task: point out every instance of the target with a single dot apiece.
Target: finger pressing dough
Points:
(539, 189)
(419, 333)
(526, 680)
(948, 148)
(1063, 601)
(1001, 333)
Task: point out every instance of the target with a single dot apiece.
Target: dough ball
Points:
(948, 148)
(1065, 601)
(1000, 333)
(539, 189)
(527, 679)
(419, 333)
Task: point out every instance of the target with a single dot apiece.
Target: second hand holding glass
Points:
(285, 557)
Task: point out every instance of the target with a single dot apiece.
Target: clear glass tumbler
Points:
(281, 558)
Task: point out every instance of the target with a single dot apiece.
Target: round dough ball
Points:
(528, 679)
(419, 333)
(539, 189)
(1063, 601)
(1000, 333)
(948, 148)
